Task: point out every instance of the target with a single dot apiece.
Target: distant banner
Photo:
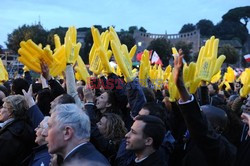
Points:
(247, 57)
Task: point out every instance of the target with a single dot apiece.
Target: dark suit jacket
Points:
(211, 148)
(87, 154)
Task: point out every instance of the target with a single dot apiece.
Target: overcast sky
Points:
(156, 16)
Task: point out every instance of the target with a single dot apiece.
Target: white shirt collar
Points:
(138, 161)
(6, 122)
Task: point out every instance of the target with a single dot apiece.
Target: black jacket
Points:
(243, 154)
(155, 159)
(16, 142)
(214, 148)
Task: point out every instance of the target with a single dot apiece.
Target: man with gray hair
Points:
(69, 134)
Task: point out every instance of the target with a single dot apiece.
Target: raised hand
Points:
(178, 66)
(45, 70)
(178, 77)
(28, 96)
(246, 119)
(88, 94)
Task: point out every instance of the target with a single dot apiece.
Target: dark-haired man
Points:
(144, 139)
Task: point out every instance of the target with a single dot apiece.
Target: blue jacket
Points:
(136, 97)
(35, 115)
(40, 156)
(86, 154)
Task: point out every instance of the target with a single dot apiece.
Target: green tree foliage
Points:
(163, 49)
(35, 32)
(232, 55)
(1, 49)
(187, 28)
(228, 30)
(86, 48)
(186, 48)
(131, 29)
(60, 31)
(206, 27)
(142, 29)
(128, 40)
(238, 14)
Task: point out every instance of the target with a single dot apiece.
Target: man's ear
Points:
(68, 133)
(149, 141)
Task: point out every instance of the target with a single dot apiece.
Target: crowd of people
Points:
(54, 122)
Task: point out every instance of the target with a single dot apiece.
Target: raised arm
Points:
(216, 148)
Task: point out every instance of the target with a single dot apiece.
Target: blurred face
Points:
(143, 112)
(211, 90)
(134, 138)
(40, 139)
(5, 112)
(102, 101)
(2, 95)
(102, 125)
(55, 137)
(246, 107)
(237, 86)
(54, 102)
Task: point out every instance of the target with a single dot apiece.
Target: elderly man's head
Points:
(62, 99)
(67, 127)
(40, 138)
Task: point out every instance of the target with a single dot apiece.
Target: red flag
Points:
(138, 56)
(156, 59)
(247, 57)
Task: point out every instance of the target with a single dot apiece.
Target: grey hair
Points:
(18, 105)
(44, 122)
(72, 115)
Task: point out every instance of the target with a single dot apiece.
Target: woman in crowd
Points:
(108, 132)
(16, 135)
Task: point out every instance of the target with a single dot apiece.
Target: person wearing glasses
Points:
(40, 155)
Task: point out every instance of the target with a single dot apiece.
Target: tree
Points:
(238, 14)
(186, 48)
(35, 32)
(131, 29)
(1, 49)
(206, 27)
(228, 30)
(60, 31)
(128, 40)
(86, 48)
(163, 49)
(187, 28)
(232, 55)
(142, 29)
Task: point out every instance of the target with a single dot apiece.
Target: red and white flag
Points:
(156, 59)
(247, 57)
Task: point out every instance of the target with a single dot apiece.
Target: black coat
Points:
(213, 148)
(16, 142)
(155, 159)
(243, 154)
